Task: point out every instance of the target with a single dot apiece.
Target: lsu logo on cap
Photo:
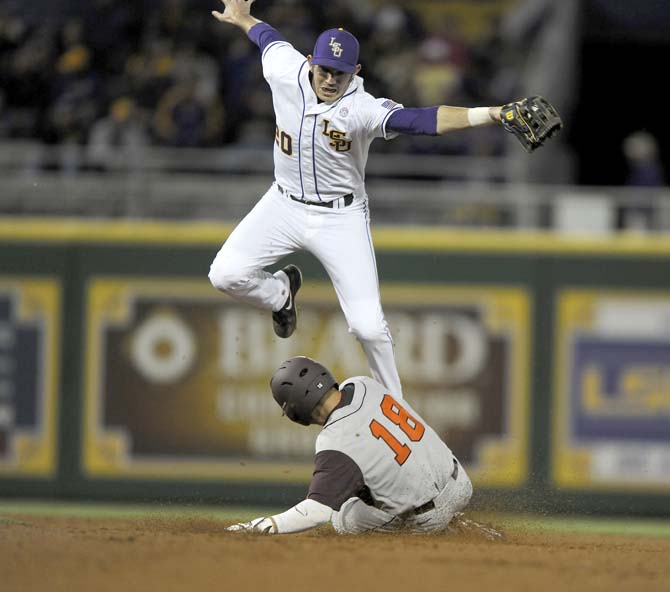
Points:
(336, 47)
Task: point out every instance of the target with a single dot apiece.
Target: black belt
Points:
(422, 509)
(428, 506)
(340, 202)
(454, 473)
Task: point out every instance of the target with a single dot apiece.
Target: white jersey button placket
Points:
(309, 156)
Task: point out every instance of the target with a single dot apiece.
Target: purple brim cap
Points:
(336, 48)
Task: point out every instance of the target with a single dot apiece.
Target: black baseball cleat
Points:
(286, 318)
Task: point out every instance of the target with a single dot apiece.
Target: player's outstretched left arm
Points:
(306, 515)
(238, 13)
(532, 120)
(451, 119)
(260, 525)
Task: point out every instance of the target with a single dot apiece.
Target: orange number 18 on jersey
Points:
(397, 414)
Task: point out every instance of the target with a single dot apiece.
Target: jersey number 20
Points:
(397, 414)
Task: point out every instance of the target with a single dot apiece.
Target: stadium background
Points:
(529, 296)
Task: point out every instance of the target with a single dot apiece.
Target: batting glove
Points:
(261, 525)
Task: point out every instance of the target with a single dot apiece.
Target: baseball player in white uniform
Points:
(378, 467)
(326, 122)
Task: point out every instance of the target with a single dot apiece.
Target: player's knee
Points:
(369, 328)
(467, 491)
(224, 275)
(464, 491)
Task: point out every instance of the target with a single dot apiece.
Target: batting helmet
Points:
(298, 385)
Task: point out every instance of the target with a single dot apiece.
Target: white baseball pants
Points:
(340, 239)
(356, 517)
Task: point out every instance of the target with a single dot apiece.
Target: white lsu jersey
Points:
(403, 461)
(320, 149)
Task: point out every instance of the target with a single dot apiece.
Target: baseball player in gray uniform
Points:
(326, 122)
(378, 467)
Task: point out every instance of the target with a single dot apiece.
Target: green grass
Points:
(128, 511)
(578, 525)
(16, 510)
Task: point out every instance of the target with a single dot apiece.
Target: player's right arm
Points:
(270, 41)
(238, 13)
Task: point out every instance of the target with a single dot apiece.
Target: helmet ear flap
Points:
(290, 411)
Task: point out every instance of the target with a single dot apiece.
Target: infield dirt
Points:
(184, 554)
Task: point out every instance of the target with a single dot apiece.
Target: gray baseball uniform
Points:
(381, 467)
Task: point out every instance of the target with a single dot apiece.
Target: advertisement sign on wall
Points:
(29, 338)
(177, 377)
(612, 390)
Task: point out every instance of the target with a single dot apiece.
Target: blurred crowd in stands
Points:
(117, 75)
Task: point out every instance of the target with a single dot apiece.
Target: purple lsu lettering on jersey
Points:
(401, 457)
(320, 148)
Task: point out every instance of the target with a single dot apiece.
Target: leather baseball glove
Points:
(532, 120)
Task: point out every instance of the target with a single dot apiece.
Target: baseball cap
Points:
(336, 48)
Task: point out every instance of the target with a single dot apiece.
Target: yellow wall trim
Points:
(71, 230)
